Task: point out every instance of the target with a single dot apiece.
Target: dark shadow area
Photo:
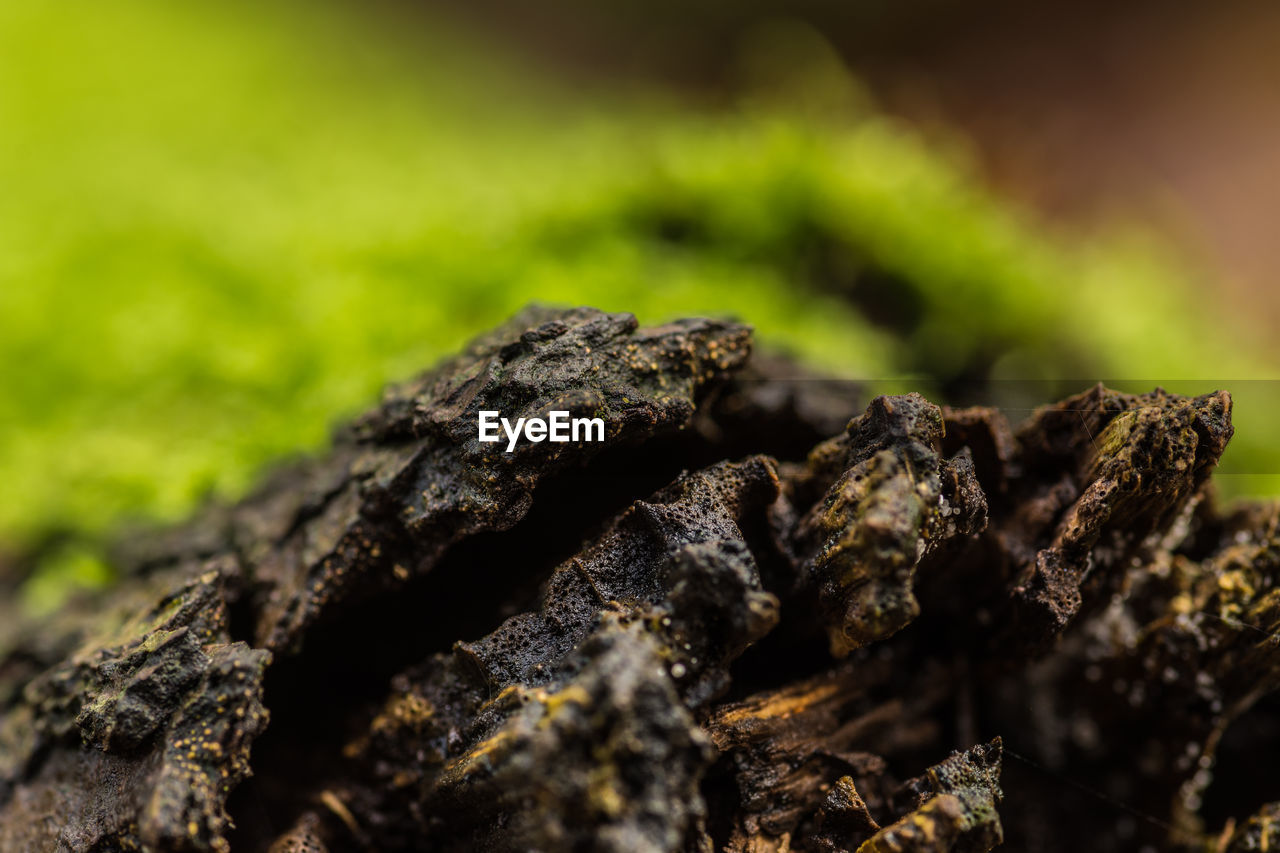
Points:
(1246, 781)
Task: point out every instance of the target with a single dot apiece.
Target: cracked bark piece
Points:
(784, 747)
(1093, 502)
(956, 811)
(304, 837)
(893, 502)
(844, 814)
(800, 762)
(134, 742)
(420, 480)
(411, 478)
(935, 827)
(677, 564)
(610, 761)
(785, 752)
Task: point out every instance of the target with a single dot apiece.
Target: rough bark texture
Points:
(762, 615)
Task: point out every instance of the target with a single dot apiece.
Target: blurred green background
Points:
(223, 227)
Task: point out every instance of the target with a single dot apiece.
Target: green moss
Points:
(62, 569)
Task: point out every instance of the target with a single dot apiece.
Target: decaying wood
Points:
(762, 615)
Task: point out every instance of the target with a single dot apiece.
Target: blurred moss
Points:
(72, 566)
(225, 226)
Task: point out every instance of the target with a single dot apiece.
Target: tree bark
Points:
(753, 618)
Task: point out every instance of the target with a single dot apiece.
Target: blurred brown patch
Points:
(1168, 112)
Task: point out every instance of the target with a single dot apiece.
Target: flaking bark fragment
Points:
(893, 501)
(139, 736)
(1099, 500)
(671, 586)
(972, 777)
(955, 808)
